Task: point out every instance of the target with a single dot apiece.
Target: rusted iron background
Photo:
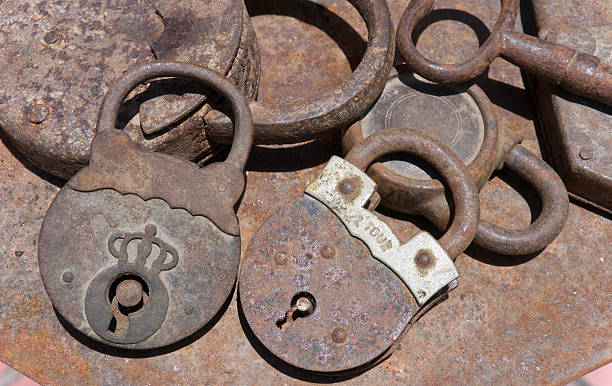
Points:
(535, 319)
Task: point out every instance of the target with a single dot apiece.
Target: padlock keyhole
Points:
(303, 304)
(128, 295)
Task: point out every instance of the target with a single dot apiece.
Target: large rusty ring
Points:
(452, 73)
(553, 195)
(119, 90)
(465, 196)
(299, 122)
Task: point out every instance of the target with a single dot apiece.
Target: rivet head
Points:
(189, 309)
(346, 187)
(585, 153)
(50, 37)
(339, 334)
(221, 188)
(67, 277)
(280, 258)
(327, 251)
(424, 259)
(38, 113)
(129, 293)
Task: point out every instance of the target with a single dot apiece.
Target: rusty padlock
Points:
(326, 286)
(577, 72)
(453, 117)
(59, 58)
(140, 250)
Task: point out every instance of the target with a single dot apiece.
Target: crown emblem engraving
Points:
(146, 241)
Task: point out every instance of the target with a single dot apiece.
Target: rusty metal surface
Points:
(578, 132)
(404, 187)
(577, 72)
(60, 57)
(130, 194)
(535, 320)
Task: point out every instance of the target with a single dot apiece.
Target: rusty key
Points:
(577, 72)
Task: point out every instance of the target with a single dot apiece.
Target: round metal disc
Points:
(440, 111)
(73, 250)
(59, 58)
(303, 254)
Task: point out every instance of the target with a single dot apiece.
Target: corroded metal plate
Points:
(443, 112)
(360, 306)
(59, 58)
(197, 287)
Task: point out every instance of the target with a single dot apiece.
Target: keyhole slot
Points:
(303, 304)
(128, 295)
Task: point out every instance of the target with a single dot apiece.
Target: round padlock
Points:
(59, 59)
(465, 121)
(310, 288)
(140, 250)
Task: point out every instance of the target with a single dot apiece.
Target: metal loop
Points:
(119, 90)
(452, 73)
(549, 223)
(299, 122)
(463, 228)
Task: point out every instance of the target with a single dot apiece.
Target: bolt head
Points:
(346, 187)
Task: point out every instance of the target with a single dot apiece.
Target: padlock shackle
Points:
(302, 121)
(465, 195)
(242, 132)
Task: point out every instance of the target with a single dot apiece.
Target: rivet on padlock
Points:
(326, 286)
(140, 250)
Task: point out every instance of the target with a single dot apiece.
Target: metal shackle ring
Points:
(465, 195)
(555, 202)
(119, 90)
(299, 122)
(452, 73)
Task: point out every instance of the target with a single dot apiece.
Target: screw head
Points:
(129, 293)
(67, 277)
(339, 334)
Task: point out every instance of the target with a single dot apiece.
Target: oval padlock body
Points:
(59, 58)
(74, 252)
(359, 306)
(443, 112)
